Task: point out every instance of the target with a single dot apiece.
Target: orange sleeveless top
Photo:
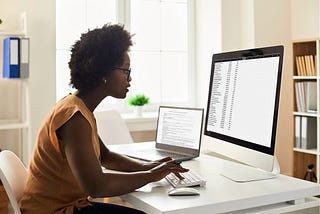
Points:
(51, 186)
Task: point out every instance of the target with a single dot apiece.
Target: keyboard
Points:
(172, 155)
(191, 179)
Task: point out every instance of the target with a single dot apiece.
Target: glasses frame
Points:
(125, 71)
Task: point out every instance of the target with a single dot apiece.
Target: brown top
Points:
(51, 186)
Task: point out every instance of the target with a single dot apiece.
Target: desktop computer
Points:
(242, 109)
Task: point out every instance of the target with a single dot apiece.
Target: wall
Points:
(41, 31)
(272, 27)
(143, 136)
(305, 19)
(208, 41)
(277, 29)
(246, 24)
(9, 90)
(257, 23)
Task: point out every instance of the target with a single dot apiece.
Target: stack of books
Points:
(306, 96)
(306, 65)
(305, 132)
(15, 57)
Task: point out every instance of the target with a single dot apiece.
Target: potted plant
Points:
(138, 102)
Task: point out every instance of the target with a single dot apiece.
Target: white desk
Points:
(223, 195)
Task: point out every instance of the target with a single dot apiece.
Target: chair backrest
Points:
(112, 128)
(13, 175)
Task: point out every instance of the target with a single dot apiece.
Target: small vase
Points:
(138, 110)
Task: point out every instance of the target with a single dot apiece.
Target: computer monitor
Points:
(243, 103)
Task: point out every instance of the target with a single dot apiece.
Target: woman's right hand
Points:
(165, 168)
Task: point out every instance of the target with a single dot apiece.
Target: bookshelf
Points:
(15, 132)
(306, 85)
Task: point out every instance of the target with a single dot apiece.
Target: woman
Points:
(66, 165)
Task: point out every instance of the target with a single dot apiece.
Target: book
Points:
(312, 63)
(308, 132)
(311, 96)
(297, 131)
(298, 65)
(303, 66)
(308, 67)
(11, 57)
(298, 94)
(24, 57)
(315, 64)
(306, 96)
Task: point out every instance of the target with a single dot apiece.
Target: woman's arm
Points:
(76, 139)
(116, 161)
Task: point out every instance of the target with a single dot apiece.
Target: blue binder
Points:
(11, 57)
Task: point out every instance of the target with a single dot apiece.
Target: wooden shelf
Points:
(13, 125)
(307, 151)
(305, 77)
(20, 121)
(13, 33)
(304, 157)
(307, 114)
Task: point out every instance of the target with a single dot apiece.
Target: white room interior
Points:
(242, 24)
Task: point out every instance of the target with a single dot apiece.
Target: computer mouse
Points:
(183, 191)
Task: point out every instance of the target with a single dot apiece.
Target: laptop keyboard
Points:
(190, 179)
(172, 155)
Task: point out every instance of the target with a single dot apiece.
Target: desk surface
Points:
(220, 193)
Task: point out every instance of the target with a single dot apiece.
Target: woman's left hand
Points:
(152, 164)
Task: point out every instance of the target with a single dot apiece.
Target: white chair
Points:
(13, 175)
(112, 128)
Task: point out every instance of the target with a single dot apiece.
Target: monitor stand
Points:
(243, 173)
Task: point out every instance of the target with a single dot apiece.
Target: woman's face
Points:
(119, 80)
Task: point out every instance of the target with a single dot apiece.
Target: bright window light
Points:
(160, 60)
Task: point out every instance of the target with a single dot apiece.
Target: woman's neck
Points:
(91, 98)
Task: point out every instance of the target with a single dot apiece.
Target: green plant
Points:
(138, 100)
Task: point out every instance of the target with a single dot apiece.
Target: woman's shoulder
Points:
(70, 105)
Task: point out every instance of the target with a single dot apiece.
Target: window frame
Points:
(123, 16)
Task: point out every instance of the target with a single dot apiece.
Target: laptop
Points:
(178, 135)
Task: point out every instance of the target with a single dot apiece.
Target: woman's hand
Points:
(166, 166)
(152, 164)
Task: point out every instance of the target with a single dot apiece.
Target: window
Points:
(86, 14)
(162, 66)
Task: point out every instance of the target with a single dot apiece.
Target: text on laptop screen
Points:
(179, 127)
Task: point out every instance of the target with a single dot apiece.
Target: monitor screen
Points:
(243, 98)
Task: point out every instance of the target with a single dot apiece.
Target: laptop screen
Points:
(179, 127)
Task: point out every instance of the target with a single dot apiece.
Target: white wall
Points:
(271, 25)
(305, 19)
(247, 24)
(208, 41)
(41, 31)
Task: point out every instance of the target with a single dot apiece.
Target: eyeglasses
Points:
(125, 71)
